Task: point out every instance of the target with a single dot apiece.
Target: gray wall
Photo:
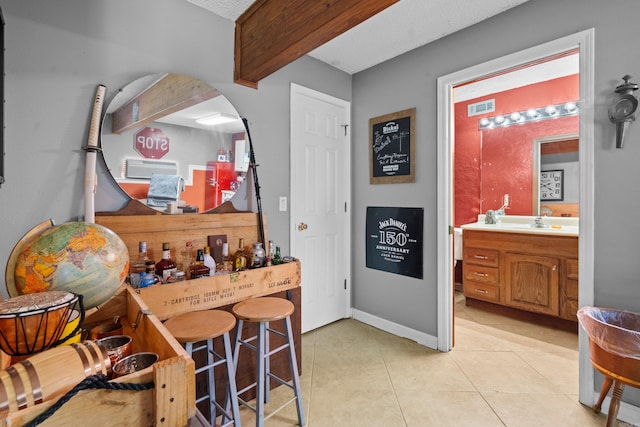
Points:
(56, 55)
(410, 81)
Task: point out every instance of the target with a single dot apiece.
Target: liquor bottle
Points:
(198, 269)
(166, 265)
(209, 261)
(270, 253)
(226, 264)
(138, 267)
(149, 278)
(277, 258)
(239, 258)
(257, 255)
(177, 276)
(188, 259)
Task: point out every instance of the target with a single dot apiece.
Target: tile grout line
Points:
(395, 393)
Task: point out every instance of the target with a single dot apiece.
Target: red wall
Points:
(489, 173)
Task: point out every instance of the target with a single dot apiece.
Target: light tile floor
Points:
(502, 372)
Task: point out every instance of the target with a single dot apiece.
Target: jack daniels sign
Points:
(394, 240)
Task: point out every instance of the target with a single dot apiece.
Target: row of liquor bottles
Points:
(145, 272)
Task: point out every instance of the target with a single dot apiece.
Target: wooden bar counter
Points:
(215, 292)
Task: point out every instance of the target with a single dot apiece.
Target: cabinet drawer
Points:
(482, 291)
(478, 273)
(481, 256)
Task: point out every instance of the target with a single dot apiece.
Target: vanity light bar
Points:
(531, 115)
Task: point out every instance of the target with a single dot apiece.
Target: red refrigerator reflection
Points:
(220, 176)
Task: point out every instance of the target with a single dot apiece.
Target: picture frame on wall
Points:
(552, 185)
(392, 147)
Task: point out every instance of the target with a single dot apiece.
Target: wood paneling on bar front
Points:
(273, 33)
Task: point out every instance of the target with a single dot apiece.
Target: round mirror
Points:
(175, 143)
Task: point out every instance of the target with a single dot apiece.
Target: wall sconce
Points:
(623, 111)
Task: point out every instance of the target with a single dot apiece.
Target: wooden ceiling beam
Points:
(172, 93)
(273, 33)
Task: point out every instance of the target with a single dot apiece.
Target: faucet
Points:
(537, 223)
(491, 217)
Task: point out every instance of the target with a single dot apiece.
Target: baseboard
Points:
(395, 329)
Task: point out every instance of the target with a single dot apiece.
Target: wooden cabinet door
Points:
(531, 282)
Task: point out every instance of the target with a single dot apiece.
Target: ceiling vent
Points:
(481, 107)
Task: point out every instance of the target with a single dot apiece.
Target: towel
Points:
(457, 244)
(164, 189)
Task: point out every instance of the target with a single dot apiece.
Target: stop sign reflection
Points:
(151, 143)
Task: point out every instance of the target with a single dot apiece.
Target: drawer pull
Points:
(481, 257)
(481, 291)
(475, 273)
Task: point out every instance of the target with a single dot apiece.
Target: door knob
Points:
(302, 226)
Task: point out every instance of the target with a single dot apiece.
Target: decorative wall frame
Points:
(392, 148)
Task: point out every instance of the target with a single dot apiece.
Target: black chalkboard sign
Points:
(394, 240)
(392, 147)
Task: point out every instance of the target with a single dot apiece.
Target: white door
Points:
(320, 192)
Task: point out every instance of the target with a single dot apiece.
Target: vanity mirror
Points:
(501, 122)
(175, 143)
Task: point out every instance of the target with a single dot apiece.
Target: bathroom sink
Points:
(559, 226)
(514, 227)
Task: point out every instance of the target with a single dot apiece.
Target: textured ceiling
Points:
(400, 28)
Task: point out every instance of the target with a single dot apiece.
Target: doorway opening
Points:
(584, 44)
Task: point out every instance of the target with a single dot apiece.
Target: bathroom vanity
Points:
(522, 267)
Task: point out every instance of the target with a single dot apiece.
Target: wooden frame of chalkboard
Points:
(392, 148)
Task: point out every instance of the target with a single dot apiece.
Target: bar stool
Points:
(262, 311)
(196, 326)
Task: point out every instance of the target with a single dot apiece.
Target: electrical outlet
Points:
(283, 203)
(505, 201)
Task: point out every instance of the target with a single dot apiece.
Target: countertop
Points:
(555, 226)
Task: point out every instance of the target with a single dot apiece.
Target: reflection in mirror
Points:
(174, 143)
(556, 193)
(495, 145)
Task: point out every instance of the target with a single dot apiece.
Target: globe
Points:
(80, 257)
